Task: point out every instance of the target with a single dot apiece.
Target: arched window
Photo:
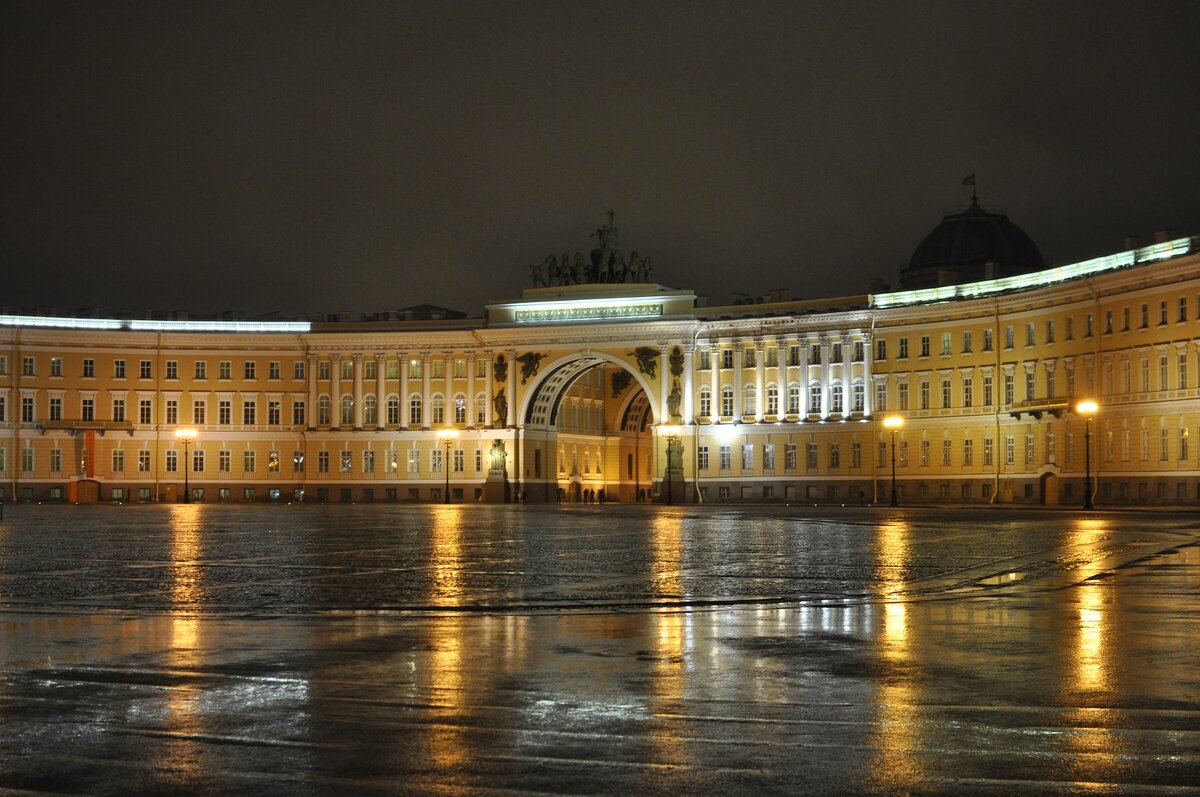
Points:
(323, 410)
(369, 410)
(772, 408)
(814, 398)
(858, 396)
(835, 397)
(726, 401)
(347, 410)
(705, 402)
(437, 409)
(460, 408)
(414, 409)
(480, 409)
(749, 395)
(793, 400)
(393, 410)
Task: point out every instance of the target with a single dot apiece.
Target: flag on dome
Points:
(969, 180)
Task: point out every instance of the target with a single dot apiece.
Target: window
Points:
(143, 461)
(811, 456)
(725, 455)
(1029, 449)
(322, 462)
(274, 370)
(793, 405)
(3, 365)
(118, 409)
(967, 391)
(27, 366)
(769, 456)
(298, 369)
(172, 463)
(857, 398)
(772, 408)
(747, 456)
(793, 355)
(414, 410)
(172, 369)
(1183, 444)
(225, 369)
(56, 408)
(923, 386)
(1125, 318)
(705, 402)
(987, 451)
(324, 410)
(947, 343)
(789, 456)
(56, 460)
(814, 355)
(198, 460)
(414, 369)
(1050, 330)
(368, 460)
(1010, 450)
(880, 349)
(1182, 370)
(1009, 390)
(458, 464)
(705, 360)
(1008, 337)
(414, 460)
(89, 368)
(201, 369)
(27, 409)
(835, 455)
(437, 409)
(966, 335)
(836, 398)
(249, 463)
(987, 390)
(460, 409)
(749, 357)
(248, 369)
(1030, 383)
(347, 410)
(435, 460)
(727, 358)
(902, 391)
(836, 355)
(56, 367)
(924, 453)
(814, 398)
(881, 396)
(701, 458)
(749, 398)
(924, 346)
(726, 401)
(772, 357)
(274, 412)
(249, 412)
(224, 461)
(393, 410)
(224, 412)
(968, 453)
(903, 348)
(297, 413)
(946, 452)
(946, 400)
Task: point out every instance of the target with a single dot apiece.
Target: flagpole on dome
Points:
(970, 180)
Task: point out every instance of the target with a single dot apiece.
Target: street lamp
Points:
(672, 434)
(186, 436)
(1087, 408)
(447, 436)
(893, 422)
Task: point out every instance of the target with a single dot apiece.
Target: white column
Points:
(760, 397)
(426, 408)
(511, 420)
(335, 387)
(358, 390)
(847, 374)
(471, 410)
(490, 389)
(664, 381)
(448, 368)
(714, 365)
(402, 358)
(688, 385)
(380, 390)
(310, 413)
(868, 381)
(805, 353)
(738, 364)
(825, 371)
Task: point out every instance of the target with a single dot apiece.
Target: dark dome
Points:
(973, 245)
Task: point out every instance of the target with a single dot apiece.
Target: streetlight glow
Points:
(447, 436)
(186, 435)
(1087, 408)
(892, 423)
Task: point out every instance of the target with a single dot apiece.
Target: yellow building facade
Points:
(577, 392)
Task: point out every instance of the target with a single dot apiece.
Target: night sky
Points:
(259, 156)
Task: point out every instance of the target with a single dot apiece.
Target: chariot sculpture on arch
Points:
(605, 264)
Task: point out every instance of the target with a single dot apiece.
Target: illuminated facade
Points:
(582, 385)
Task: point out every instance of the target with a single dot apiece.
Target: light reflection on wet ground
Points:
(617, 649)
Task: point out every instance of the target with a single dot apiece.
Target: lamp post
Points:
(447, 437)
(893, 422)
(186, 436)
(672, 434)
(1087, 408)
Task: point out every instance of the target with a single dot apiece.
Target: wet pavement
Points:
(580, 650)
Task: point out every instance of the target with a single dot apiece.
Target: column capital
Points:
(357, 357)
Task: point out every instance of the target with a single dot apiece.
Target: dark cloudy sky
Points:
(324, 156)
